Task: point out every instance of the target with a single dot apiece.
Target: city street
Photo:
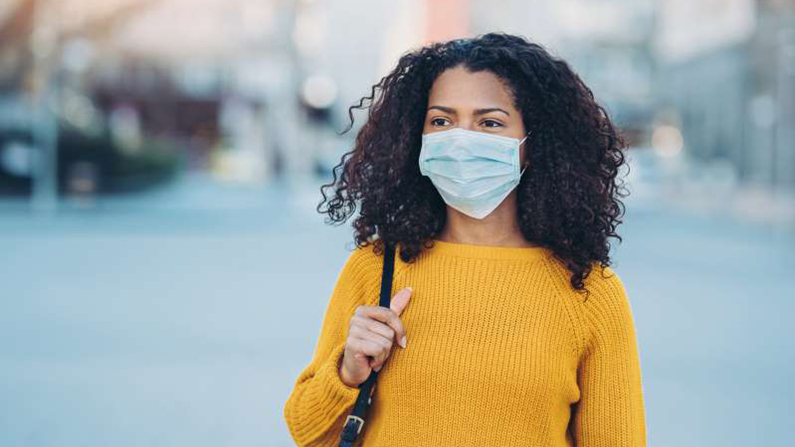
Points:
(183, 316)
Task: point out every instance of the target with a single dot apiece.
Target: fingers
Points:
(361, 326)
(376, 338)
(400, 300)
(374, 329)
(388, 316)
(374, 347)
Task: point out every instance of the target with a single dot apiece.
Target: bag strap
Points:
(355, 421)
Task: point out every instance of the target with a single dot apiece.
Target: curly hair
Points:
(568, 200)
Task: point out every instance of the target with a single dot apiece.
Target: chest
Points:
(482, 335)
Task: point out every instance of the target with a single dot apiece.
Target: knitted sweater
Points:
(501, 352)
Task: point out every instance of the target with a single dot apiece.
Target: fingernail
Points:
(409, 289)
(403, 341)
(378, 369)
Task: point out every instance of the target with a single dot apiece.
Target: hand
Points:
(372, 332)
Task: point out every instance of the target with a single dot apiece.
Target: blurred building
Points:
(250, 89)
(770, 102)
(231, 86)
(726, 75)
(711, 81)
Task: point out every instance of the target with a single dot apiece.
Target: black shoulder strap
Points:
(355, 421)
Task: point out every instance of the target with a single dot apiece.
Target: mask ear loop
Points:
(520, 143)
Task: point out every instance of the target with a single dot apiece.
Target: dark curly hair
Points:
(568, 200)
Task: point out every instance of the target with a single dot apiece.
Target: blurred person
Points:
(489, 166)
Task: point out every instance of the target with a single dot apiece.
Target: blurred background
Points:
(164, 271)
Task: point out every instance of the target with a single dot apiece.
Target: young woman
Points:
(491, 167)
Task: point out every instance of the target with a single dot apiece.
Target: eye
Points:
(497, 124)
(435, 120)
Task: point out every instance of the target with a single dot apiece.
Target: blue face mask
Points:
(473, 171)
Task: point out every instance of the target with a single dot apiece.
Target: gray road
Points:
(183, 316)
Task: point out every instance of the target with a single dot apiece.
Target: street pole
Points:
(44, 196)
(785, 130)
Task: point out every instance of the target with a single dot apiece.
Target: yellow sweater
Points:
(501, 352)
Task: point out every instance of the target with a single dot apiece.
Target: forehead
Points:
(457, 87)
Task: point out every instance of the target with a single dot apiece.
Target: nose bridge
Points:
(466, 120)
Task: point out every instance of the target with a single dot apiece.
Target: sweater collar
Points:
(487, 251)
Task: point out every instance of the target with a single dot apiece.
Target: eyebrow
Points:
(477, 111)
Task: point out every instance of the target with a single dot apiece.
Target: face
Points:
(473, 101)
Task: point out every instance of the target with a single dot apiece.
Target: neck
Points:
(500, 228)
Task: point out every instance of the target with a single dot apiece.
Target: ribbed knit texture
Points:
(501, 352)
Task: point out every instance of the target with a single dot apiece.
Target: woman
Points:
(492, 169)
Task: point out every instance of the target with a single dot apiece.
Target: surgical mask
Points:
(473, 171)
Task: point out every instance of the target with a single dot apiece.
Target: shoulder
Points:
(606, 311)
(604, 306)
(366, 261)
(604, 282)
(606, 286)
(361, 273)
(363, 258)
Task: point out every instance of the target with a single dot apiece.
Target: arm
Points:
(319, 402)
(611, 408)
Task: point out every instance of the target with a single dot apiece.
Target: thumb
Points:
(400, 300)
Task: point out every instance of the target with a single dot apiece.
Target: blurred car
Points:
(86, 163)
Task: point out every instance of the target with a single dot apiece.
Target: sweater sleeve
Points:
(319, 403)
(610, 411)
